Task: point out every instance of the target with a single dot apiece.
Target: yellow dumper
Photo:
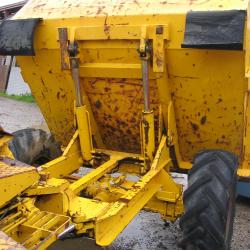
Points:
(131, 91)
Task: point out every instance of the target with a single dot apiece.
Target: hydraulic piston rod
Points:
(147, 124)
(82, 115)
(76, 78)
(145, 82)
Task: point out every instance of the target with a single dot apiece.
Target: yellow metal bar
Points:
(94, 208)
(51, 223)
(33, 239)
(43, 220)
(159, 49)
(129, 32)
(122, 212)
(118, 154)
(94, 127)
(52, 186)
(81, 184)
(13, 225)
(148, 137)
(244, 173)
(114, 70)
(85, 135)
(35, 217)
(12, 218)
(69, 162)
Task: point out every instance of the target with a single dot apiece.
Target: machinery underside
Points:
(108, 192)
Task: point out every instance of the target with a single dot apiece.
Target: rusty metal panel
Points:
(117, 105)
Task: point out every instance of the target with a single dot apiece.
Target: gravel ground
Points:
(16, 115)
(147, 231)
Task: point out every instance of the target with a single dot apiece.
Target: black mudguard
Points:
(17, 37)
(222, 30)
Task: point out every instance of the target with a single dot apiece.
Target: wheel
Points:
(34, 146)
(209, 202)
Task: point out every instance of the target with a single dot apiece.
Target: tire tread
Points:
(211, 169)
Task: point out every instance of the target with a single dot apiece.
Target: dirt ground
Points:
(147, 231)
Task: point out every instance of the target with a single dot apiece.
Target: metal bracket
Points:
(64, 42)
(157, 34)
(158, 50)
(68, 46)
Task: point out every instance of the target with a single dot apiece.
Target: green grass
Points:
(24, 98)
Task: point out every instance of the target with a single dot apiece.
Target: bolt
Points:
(159, 30)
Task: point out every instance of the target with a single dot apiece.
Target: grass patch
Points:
(24, 98)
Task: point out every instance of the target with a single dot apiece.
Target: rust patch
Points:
(219, 101)
(98, 104)
(124, 200)
(195, 127)
(146, 129)
(106, 27)
(184, 77)
(119, 117)
(203, 120)
(63, 39)
(159, 61)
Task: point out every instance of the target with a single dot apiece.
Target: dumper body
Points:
(207, 87)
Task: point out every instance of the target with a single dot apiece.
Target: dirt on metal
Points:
(147, 231)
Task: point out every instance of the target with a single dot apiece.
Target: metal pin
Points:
(66, 231)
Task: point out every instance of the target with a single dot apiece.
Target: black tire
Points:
(209, 202)
(34, 146)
